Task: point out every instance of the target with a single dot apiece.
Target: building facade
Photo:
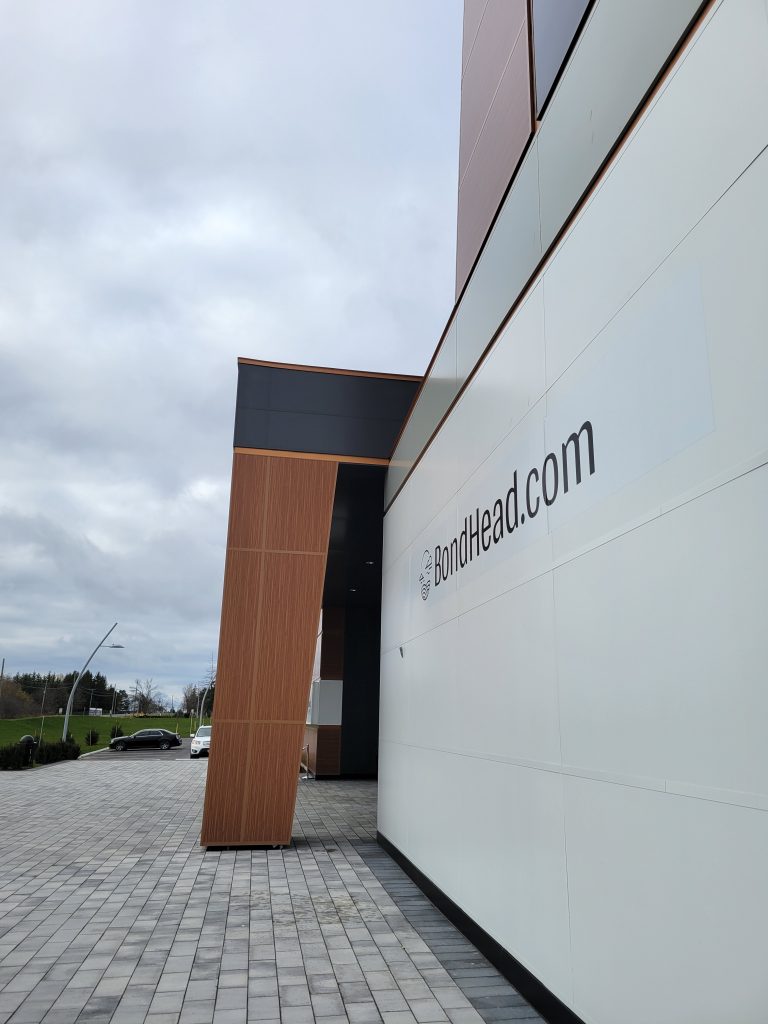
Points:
(573, 703)
(584, 473)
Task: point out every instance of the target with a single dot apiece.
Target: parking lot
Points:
(145, 754)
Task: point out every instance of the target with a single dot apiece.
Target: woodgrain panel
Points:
(270, 612)
(324, 743)
(247, 502)
(328, 760)
(292, 592)
(299, 492)
(227, 780)
(310, 742)
(235, 675)
(271, 781)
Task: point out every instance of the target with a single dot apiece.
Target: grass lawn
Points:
(12, 729)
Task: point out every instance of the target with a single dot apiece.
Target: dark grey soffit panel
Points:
(331, 414)
(555, 24)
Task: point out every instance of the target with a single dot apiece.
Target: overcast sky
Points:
(183, 182)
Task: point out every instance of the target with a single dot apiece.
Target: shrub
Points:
(48, 753)
(13, 757)
(91, 738)
(115, 731)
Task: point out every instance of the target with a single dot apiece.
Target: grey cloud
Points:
(183, 183)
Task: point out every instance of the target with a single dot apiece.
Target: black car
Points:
(161, 738)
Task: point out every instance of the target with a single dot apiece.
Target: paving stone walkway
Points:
(111, 912)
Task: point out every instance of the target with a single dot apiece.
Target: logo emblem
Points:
(425, 576)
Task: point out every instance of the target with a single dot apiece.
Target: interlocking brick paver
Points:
(117, 916)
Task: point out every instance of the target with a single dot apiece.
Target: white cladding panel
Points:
(572, 738)
(619, 53)
(325, 702)
(512, 251)
(620, 50)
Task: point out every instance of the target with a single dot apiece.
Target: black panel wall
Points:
(301, 410)
(360, 700)
(353, 591)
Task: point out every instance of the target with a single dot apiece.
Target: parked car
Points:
(201, 742)
(162, 738)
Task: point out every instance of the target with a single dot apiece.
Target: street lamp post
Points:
(80, 675)
(201, 706)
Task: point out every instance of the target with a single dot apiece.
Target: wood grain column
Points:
(279, 523)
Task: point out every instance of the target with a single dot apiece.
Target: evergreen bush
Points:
(14, 757)
(49, 753)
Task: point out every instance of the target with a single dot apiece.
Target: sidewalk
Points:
(111, 912)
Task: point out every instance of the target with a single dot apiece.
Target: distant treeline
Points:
(32, 693)
(27, 694)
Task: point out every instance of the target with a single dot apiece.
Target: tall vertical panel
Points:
(495, 118)
(279, 522)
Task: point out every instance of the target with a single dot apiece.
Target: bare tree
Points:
(146, 697)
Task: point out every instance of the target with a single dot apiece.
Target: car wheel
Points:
(194, 756)
(165, 745)
(119, 746)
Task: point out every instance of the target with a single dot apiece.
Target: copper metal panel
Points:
(473, 13)
(497, 152)
(502, 23)
(270, 612)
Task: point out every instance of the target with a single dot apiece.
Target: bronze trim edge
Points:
(327, 369)
(361, 460)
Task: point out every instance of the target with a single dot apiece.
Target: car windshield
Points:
(204, 730)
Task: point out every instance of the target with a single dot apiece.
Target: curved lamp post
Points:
(80, 675)
(201, 706)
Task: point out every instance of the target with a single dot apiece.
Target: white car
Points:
(201, 742)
